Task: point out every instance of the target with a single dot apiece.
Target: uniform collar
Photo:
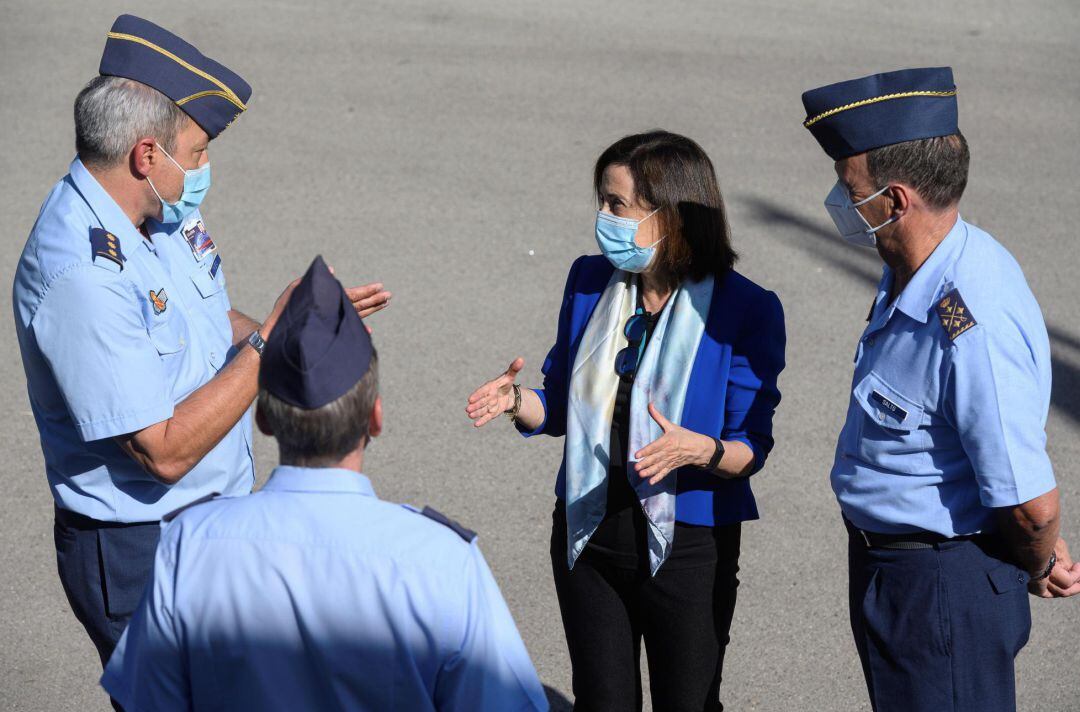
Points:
(287, 478)
(108, 213)
(921, 292)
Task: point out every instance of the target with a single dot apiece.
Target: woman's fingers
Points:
(663, 422)
(515, 366)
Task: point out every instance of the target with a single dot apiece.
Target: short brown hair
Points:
(323, 436)
(937, 168)
(673, 174)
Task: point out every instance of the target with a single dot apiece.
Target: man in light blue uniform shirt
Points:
(138, 368)
(941, 469)
(313, 594)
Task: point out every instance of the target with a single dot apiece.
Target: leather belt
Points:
(911, 540)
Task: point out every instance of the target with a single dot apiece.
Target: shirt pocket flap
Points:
(1006, 577)
(166, 338)
(207, 284)
(886, 406)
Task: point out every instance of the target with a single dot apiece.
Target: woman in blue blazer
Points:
(663, 380)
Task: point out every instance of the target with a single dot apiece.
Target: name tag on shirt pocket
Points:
(208, 284)
(886, 406)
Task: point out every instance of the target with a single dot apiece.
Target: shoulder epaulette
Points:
(954, 315)
(467, 534)
(201, 500)
(104, 244)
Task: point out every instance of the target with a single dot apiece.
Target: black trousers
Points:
(104, 568)
(938, 629)
(609, 603)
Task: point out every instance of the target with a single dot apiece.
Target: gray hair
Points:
(113, 113)
(937, 168)
(323, 436)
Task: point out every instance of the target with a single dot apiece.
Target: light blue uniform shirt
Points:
(940, 430)
(312, 594)
(102, 360)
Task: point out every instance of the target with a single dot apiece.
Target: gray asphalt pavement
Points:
(446, 150)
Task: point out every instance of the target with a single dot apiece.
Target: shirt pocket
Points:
(891, 435)
(207, 283)
(167, 336)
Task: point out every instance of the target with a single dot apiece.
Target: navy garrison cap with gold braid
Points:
(210, 93)
(851, 117)
(319, 348)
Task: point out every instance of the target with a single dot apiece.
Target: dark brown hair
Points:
(937, 168)
(672, 173)
(322, 436)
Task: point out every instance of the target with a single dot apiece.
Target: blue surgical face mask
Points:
(196, 183)
(615, 236)
(849, 222)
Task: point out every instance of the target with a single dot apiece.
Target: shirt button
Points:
(1020, 578)
(870, 341)
(880, 416)
(213, 356)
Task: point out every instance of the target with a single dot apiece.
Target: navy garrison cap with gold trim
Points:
(319, 348)
(211, 94)
(851, 117)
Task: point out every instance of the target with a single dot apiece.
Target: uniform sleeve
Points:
(491, 670)
(998, 400)
(556, 369)
(148, 669)
(752, 392)
(90, 330)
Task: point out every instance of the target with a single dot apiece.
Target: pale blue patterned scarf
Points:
(662, 378)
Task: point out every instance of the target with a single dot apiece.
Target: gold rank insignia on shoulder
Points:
(955, 317)
(104, 244)
(159, 299)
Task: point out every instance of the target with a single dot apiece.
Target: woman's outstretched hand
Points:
(495, 397)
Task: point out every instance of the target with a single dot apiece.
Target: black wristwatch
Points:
(1049, 567)
(717, 456)
(257, 343)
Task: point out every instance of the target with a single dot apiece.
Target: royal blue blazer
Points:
(732, 392)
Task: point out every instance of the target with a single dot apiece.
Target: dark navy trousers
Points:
(104, 568)
(938, 629)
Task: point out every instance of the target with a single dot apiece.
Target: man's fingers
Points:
(362, 292)
(1063, 592)
(365, 313)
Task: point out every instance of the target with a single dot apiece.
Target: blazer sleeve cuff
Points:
(540, 428)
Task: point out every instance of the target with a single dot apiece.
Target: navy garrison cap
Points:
(212, 95)
(319, 348)
(857, 115)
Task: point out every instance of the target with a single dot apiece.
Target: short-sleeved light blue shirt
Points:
(109, 351)
(312, 594)
(948, 408)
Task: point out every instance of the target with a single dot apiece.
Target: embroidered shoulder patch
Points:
(954, 315)
(467, 534)
(105, 244)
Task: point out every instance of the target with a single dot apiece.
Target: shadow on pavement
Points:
(557, 700)
(865, 266)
